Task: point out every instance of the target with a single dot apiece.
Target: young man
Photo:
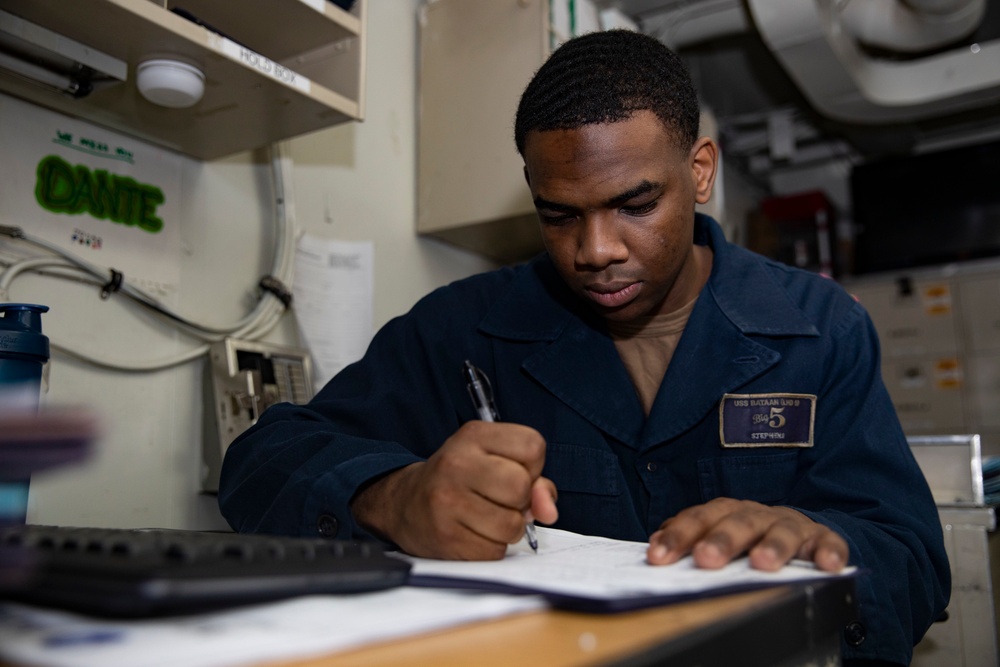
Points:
(663, 384)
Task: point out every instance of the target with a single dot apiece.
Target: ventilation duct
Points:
(914, 26)
(820, 43)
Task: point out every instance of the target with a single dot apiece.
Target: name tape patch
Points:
(767, 420)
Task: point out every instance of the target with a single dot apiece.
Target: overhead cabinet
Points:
(475, 60)
(274, 69)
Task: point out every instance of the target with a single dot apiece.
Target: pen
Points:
(482, 398)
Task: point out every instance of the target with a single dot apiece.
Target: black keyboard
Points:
(133, 573)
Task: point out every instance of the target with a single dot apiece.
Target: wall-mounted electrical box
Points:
(244, 379)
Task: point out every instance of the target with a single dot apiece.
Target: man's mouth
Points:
(612, 295)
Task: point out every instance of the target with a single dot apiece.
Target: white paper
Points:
(333, 305)
(294, 629)
(604, 569)
(85, 223)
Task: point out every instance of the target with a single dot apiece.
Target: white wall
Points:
(351, 182)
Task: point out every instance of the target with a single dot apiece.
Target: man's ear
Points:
(704, 160)
(527, 179)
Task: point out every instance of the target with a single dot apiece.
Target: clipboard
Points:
(602, 575)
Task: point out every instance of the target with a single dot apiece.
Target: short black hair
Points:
(605, 77)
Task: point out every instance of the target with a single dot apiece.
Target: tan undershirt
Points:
(646, 347)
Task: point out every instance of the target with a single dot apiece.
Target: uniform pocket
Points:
(765, 478)
(579, 469)
(589, 484)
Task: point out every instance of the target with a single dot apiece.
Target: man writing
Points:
(656, 382)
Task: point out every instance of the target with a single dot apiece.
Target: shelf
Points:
(282, 68)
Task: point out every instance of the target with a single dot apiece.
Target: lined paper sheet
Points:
(598, 573)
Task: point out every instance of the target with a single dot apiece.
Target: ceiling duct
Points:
(820, 43)
(692, 23)
(913, 26)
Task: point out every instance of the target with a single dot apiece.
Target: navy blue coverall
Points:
(774, 394)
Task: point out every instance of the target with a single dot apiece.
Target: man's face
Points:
(616, 204)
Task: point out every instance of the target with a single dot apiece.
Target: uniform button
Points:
(651, 466)
(855, 633)
(327, 525)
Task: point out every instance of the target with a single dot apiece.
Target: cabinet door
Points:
(927, 393)
(981, 312)
(476, 57)
(912, 320)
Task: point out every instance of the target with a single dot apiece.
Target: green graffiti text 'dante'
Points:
(75, 190)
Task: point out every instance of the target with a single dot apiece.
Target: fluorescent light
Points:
(32, 52)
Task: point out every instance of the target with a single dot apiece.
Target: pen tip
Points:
(529, 533)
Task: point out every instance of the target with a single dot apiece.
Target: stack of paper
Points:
(599, 574)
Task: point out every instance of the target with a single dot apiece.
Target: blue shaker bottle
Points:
(23, 353)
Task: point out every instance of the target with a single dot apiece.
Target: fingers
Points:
(679, 534)
(543, 501)
(723, 529)
(515, 442)
(498, 461)
(470, 499)
(435, 516)
(830, 552)
(491, 528)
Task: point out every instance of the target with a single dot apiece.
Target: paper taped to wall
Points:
(333, 289)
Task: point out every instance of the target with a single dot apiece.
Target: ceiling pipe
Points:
(911, 26)
(697, 22)
(842, 81)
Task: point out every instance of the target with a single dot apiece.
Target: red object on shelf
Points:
(804, 223)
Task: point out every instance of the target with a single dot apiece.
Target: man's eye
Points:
(639, 210)
(555, 219)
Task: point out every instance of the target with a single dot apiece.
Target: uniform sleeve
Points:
(864, 483)
(297, 469)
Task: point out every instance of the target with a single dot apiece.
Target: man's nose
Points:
(600, 244)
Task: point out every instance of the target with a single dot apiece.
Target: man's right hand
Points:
(469, 500)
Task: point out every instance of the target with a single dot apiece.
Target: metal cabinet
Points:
(968, 636)
(939, 330)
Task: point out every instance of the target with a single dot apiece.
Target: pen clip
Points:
(481, 392)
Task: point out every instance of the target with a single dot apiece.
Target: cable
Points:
(267, 312)
(133, 367)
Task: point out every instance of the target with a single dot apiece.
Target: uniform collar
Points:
(744, 287)
(536, 306)
(539, 306)
(742, 297)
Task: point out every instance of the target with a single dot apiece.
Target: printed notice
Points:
(333, 288)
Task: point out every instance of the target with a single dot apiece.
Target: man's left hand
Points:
(723, 529)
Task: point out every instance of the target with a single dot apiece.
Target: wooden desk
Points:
(787, 626)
